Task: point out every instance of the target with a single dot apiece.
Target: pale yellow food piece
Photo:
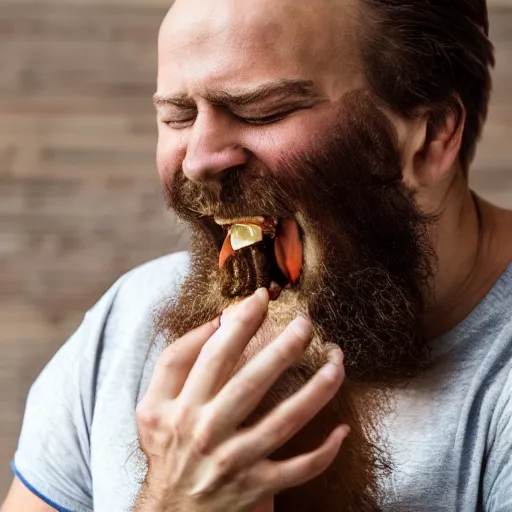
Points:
(245, 235)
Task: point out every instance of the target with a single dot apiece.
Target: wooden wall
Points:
(79, 196)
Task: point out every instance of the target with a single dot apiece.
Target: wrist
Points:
(154, 498)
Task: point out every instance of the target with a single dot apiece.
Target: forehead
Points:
(219, 43)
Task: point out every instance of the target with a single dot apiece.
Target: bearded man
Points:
(339, 337)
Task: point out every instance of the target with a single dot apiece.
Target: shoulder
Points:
(133, 297)
(149, 283)
(116, 332)
(156, 277)
(82, 402)
(122, 322)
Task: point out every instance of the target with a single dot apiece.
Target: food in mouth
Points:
(278, 239)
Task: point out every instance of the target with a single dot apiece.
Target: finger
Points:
(290, 416)
(176, 361)
(223, 350)
(248, 387)
(278, 476)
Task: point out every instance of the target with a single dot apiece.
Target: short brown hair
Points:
(431, 54)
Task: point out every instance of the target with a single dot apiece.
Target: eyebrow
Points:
(300, 89)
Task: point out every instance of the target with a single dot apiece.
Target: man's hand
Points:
(199, 459)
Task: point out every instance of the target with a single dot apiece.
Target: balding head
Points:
(228, 43)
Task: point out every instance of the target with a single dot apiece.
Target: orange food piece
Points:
(226, 251)
(288, 250)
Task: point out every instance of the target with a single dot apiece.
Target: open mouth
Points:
(278, 239)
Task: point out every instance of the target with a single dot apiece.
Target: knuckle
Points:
(297, 417)
(319, 461)
(148, 417)
(246, 386)
(209, 353)
(203, 438)
(280, 479)
(225, 462)
(250, 479)
(172, 357)
(289, 416)
(181, 418)
(283, 429)
(287, 353)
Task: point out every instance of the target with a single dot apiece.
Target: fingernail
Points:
(345, 429)
(335, 356)
(259, 296)
(334, 366)
(256, 304)
(302, 327)
(262, 295)
(331, 371)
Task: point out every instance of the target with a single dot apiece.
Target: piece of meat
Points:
(287, 247)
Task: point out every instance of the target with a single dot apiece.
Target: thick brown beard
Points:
(365, 294)
(370, 282)
(351, 483)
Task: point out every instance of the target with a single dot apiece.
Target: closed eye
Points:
(189, 118)
(179, 123)
(256, 120)
(273, 118)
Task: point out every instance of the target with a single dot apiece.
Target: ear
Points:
(433, 145)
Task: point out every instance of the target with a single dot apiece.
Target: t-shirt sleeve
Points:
(499, 462)
(53, 454)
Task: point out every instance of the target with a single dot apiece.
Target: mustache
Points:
(250, 190)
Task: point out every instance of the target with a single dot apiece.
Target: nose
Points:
(214, 145)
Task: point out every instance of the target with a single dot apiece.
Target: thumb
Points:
(266, 506)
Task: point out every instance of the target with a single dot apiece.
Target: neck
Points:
(473, 250)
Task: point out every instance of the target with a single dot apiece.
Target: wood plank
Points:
(124, 4)
(103, 22)
(164, 4)
(491, 174)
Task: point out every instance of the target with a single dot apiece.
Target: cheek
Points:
(169, 155)
(292, 136)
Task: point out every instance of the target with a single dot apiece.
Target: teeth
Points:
(241, 220)
(245, 235)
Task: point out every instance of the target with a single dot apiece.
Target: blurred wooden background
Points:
(79, 196)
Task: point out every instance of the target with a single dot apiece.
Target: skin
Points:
(211, 50)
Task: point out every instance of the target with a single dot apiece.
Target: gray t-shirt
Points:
(450, 434)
